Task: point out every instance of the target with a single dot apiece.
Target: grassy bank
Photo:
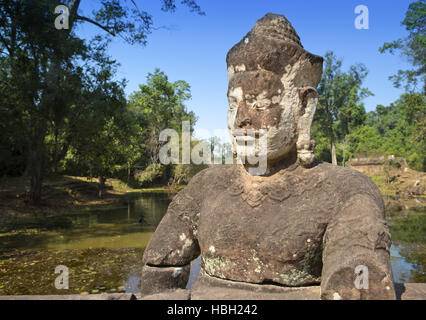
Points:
(61, 195)
(402, 182)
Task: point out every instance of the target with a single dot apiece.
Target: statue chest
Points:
(272, 225)
(263, 236)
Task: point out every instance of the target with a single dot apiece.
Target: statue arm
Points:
(356, 258)
(167, 258)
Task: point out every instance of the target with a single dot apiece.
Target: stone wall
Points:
(372, 165)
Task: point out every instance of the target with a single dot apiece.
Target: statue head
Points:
(272, 82)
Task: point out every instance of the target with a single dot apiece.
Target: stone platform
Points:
(227, 290)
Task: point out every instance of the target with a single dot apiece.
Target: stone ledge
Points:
(211, 288)
(178, 294)
(410, 291)
(242, 291)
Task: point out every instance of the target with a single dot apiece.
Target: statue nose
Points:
(242, 119)
(244, 123)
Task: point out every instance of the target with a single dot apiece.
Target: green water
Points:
(103, 249)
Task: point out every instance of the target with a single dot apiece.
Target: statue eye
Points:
(258, 106)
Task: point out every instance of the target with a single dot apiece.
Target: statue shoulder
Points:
(211, 178)
(349, 182)
(214, 174)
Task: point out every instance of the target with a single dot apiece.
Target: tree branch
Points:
(96, 24)
(5, 44)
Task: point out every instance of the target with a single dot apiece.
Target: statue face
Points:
(259, 99)
(272, 82)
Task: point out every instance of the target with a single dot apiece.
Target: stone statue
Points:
(301, 223)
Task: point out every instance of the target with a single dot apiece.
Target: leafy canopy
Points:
(413, 47)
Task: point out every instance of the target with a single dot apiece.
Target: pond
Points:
(103, 249)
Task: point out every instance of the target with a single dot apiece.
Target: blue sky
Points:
(193, 48)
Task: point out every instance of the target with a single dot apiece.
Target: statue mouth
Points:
(250, 142)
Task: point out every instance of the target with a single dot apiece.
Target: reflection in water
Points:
(132, 226)
(402, 269)
(408, 252)
(115, 228)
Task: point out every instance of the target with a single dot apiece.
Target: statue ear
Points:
(308, 100)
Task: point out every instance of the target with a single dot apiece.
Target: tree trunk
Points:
(36, 183)
(101, 186)
(36, 158)
(54, 164)
(333, 153)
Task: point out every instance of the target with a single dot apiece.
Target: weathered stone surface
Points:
(176, 294)
(272, 82)
(283, 228)
(228, 290)
(210, 288)
(272, 229)
(302, 223)
(171, 248)
(157, 280)
(410, 291)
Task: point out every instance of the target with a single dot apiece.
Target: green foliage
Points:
(322, 143)
(341, 120)
(413, 47)
(340, 109)
(182, 173)
(397, 129)
(411, 229)
(42, 76)
(153, 174)
(365, 140)
(158, 105)
(60, 106)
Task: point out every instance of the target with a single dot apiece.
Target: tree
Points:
(43, 69)
(159, 105)
(101, 148)
(413, 47)
(397, 129)
(38, 64)
(365, 140)
(405, 119)
(105, 139)
(340, 109)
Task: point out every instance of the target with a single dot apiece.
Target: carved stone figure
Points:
(301, 223)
